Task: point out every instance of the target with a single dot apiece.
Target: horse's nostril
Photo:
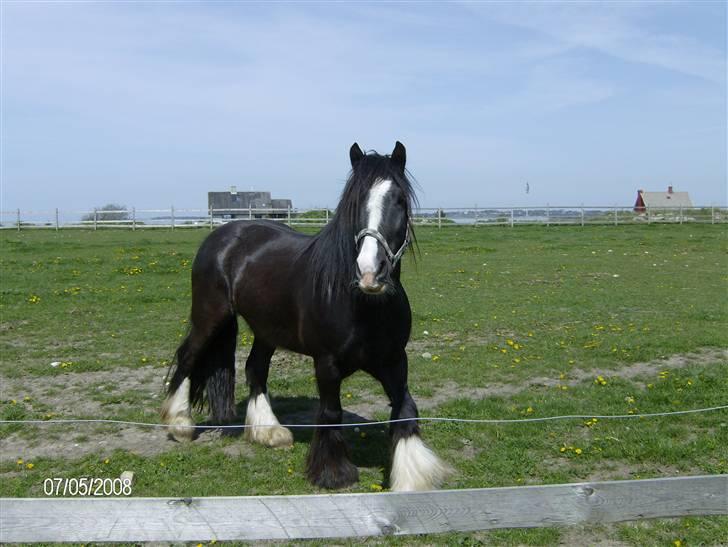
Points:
(368, 279)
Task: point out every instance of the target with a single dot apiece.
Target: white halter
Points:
(393, 257)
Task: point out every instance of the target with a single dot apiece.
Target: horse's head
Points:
(383, 233)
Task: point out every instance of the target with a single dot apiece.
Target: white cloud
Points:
(617, 29)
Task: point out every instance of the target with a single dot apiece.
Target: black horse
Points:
(335, 296)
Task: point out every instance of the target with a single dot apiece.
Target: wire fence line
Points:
(547, 215)
(492, 421)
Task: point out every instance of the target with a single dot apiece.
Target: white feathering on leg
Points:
(416, 467)
(176, 413)
(260, 414)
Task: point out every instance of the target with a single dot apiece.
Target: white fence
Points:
(172, 218)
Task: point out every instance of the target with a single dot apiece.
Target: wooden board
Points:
(344, 515)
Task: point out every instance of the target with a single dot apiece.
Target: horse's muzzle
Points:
(369, 284)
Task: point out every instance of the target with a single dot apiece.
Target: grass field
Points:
(508, 323)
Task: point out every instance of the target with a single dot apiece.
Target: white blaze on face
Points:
(367, 259)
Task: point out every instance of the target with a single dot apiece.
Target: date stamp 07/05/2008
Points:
(87, 486)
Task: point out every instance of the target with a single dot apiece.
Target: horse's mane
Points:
(332, 252)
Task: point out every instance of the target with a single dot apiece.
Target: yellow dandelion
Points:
(20, 461)
(106, 461)
(562, 449)
(578, 451)
(529, 410)
(376, 487)
(29, 466)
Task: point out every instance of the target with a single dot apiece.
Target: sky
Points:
(152, 104)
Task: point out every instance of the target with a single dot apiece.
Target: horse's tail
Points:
(209, 363)
(219, 374)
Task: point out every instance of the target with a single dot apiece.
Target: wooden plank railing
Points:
(349, 515)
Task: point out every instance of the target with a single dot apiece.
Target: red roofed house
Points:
(651, 200)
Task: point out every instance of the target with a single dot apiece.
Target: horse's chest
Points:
(374, 347)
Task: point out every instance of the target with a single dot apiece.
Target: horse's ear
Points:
(355, 154)
(399, 155)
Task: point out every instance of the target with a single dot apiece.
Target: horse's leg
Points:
(198, 358)
(263, 426)
(176, 410)
(414, 465)
(328, 464)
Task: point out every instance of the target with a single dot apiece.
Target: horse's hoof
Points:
(182, 428)
(280, 437)
(336, 477)
(272, 437)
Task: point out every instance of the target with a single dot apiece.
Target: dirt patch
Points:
(371, 403)
(102, 441)
(576, 376)
(615, 470)
(6, 326)
(584, 535)
(72, 395)
(703, 356)
(433, 343)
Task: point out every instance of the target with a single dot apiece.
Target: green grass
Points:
(517, 322)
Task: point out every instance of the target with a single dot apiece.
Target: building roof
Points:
(233, 199)
(666, 199)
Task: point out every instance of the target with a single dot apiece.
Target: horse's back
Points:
(253, 263)
(245, 237)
